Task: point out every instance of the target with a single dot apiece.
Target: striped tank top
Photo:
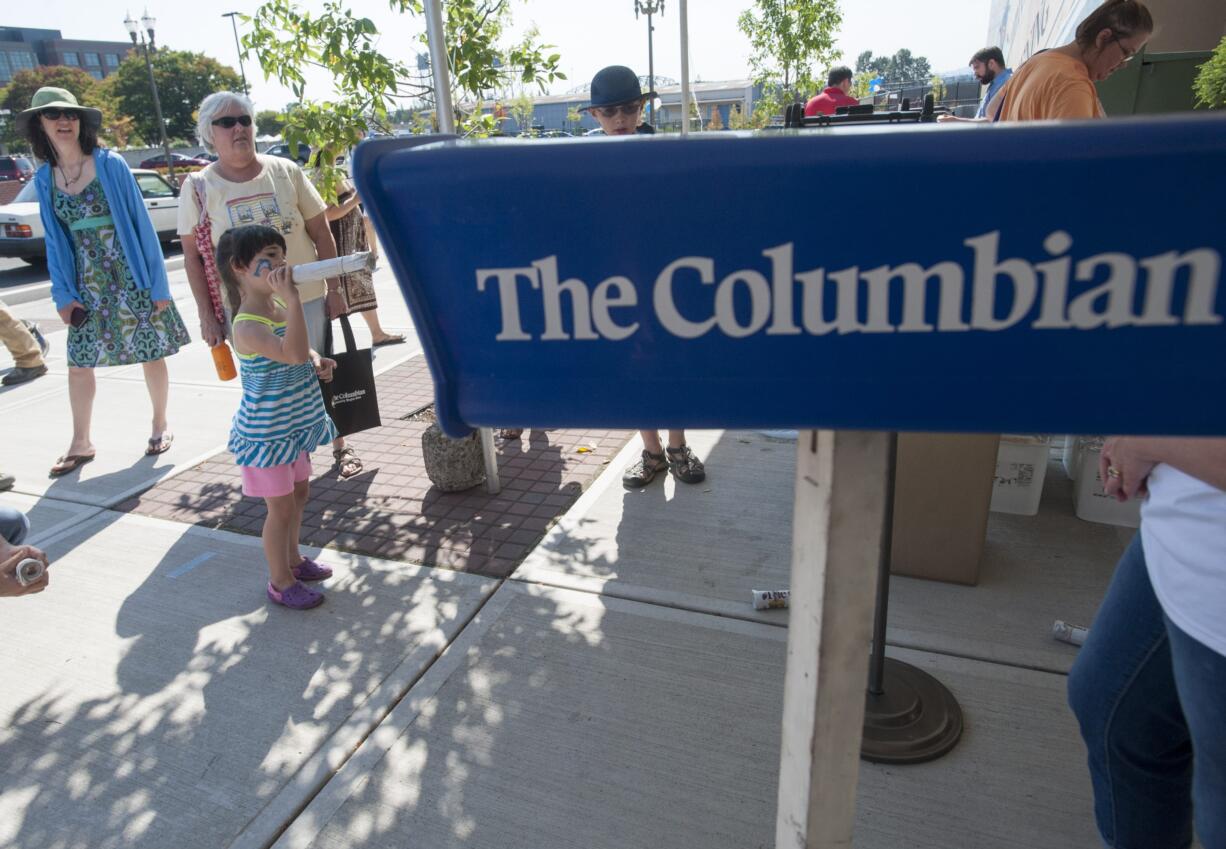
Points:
(282, 410)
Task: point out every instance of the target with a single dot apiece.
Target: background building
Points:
(22, 48)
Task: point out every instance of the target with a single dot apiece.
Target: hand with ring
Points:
(1124, 467)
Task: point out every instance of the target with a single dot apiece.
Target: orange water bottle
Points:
(223, 361)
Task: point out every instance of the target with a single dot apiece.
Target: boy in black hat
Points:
(617, 104)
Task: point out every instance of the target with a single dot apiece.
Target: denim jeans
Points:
(13, 525)
(1151, 702)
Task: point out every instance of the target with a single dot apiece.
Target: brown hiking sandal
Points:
(644, 470)
(685, 466)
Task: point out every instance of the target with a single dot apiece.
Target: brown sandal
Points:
(159, 444)
(69, 463)
(347, 461)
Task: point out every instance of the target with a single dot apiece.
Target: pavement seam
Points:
(340, 780)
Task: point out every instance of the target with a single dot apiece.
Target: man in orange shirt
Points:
(838, 86)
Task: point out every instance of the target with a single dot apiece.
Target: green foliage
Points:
(574, 118)
(286, 39)
(901, 67)
(17, 95)
(1210, 83)
(790, 39)
(522, 108)
(183, 80)
(938, 88)
(269, 122)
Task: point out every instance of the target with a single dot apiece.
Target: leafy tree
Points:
(268, 122)
(789, 39)
(938, 88)
(287, 39)
(1210, 83)
(17, 95)
(574, 117)
(901, 67)
(717, 120)
(183, 80)
(522, 109)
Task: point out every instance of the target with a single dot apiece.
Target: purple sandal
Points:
(309, 570)
(297, 596)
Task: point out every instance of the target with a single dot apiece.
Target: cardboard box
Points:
(1021, 467)
(942, 490)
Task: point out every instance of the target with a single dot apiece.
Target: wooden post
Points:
(841, 479)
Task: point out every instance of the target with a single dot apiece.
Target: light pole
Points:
(133, 30)
(649, 8)
(239, 47)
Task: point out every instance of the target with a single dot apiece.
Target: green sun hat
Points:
(50, 97)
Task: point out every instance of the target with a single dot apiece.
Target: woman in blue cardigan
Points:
(108, 275)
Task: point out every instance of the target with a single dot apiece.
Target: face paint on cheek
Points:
(260, 267)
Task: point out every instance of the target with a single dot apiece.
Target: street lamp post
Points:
(239, 47)
(133, 30)
(649, 8)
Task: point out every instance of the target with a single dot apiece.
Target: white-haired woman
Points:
(245, 187)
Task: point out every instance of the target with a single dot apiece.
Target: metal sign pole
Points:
(445, 114)
(685, 68)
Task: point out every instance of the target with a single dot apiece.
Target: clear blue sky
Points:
(588, 33)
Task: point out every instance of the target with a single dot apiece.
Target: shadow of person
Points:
(206, 700)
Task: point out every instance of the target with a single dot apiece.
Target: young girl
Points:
(281, 418)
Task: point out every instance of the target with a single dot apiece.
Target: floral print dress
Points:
(120, 325)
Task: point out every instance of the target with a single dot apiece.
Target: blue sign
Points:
(1035, 278)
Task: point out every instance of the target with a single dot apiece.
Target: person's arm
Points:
(1074, 100)
(60, 265)
(325, 248)
(950, 119)
(147, 242)
(211, 330)
(254, 337)
(336, 212)
(1132, 458)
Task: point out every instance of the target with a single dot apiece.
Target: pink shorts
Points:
(273, 481)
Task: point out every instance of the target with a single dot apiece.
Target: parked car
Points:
(16, 168)
(211, 157)
(21, 228)
(283, 151)
(181, 161)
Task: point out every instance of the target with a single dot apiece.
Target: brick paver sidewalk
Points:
(391, 509)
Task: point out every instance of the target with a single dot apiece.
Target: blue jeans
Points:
(1152, 706)
(13, 525)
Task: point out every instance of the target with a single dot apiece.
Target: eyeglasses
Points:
(628, 109)
(1129, 55)
(57, 114)
(228, 122)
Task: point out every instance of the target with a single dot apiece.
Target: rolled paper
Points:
(770, 599)
(29, 571)
(325, 268)
(1067, 633)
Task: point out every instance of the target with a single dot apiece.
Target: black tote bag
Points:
(350, 395)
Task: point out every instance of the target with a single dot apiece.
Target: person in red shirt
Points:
(838, 86)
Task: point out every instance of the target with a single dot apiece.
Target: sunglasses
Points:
(623, 109)
(57, 114)
(229, 121)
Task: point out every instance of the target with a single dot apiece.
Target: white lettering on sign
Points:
(1114, 290)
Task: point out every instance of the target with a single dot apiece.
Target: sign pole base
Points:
(909, 716)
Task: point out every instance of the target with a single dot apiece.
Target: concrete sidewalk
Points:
(601, 680)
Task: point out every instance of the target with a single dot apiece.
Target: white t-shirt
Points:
(1183, 531)
(281, 197)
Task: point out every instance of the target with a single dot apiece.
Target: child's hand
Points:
(324, 367)
(281, 281)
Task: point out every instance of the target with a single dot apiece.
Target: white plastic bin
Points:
(1068, 456)
(1021, 466)
(1089, 500)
